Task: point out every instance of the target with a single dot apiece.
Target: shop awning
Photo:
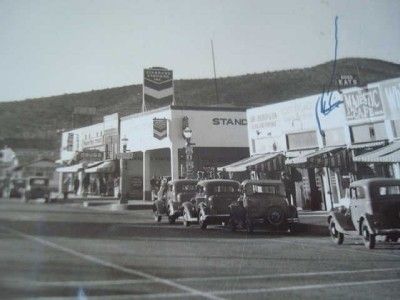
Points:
(387, 154)
(70, 169)
(299, 159)
(317, 158)
(101, 167)
(367, 145)
(242, 165)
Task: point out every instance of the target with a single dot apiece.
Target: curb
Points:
(313, 229)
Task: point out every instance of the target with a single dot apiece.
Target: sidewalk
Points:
(313, 222)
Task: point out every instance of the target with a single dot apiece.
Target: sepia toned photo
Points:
(199, 149)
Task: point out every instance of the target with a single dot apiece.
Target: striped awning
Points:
(387, 154)
(323, 157)
(242, 165)
(367, 145)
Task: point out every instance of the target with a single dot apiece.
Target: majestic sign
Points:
(159, 128)
(363, 104)
(158, 88)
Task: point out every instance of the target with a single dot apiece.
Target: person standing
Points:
(65, 187)
(76, 185)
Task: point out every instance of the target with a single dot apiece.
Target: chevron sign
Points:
(159, 128)
(158, 88)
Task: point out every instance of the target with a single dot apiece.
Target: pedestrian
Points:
(65, 187)
(76, 185)
(85, 184)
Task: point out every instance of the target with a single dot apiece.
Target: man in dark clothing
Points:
(76, 185)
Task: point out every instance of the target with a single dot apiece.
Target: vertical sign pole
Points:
(143, 104)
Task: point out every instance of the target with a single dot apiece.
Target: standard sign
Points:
(158, 89)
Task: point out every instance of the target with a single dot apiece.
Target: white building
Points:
(321, 135)
(154, 144)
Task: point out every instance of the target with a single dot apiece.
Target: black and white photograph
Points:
(199, 149)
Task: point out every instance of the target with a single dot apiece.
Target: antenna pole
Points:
(215, 73)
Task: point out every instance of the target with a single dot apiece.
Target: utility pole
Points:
(215, 72)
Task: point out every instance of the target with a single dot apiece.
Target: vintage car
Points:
(263, 201)
(374, 210)
(211, 202)
(17, 187)
(37, 188)
(170, 200)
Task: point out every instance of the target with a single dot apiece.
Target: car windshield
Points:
(224, 189)
(390, 190)
(262, 189)
(38, 181)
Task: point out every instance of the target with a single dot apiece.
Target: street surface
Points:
(55, 251)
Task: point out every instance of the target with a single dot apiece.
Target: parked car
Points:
(17, 187)
(37, 188)
(374, 210)
(263, 201)
(211, 202)
(172, 199)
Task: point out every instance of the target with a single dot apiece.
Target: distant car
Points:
(263, 201)
(211, 202)
(37, 188)
(17, 187)
(374, 210)
(171, 203)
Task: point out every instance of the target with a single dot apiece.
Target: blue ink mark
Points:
(81, 294)
(325, 104)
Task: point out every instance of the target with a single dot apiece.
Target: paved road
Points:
(61, 252)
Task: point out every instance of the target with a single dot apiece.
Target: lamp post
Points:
(122, 180)
(187, 133)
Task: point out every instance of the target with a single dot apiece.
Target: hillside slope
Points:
(34, 120)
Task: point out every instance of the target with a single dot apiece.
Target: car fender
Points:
(368, 220)
(190, 209)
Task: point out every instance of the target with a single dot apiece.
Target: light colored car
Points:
(211, 202)
(374, 210)
(171, 202)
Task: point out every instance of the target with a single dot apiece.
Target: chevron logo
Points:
(159, 128)
(158, 89)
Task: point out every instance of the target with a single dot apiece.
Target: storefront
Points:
(89, 157)
(153, 144)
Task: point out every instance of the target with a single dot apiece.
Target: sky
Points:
(52, 47)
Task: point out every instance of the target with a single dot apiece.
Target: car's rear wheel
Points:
(336, 236)
(202, 221)
(368, 238)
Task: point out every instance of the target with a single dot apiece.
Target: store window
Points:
(368, 132)
(334, 137)
(302, 140)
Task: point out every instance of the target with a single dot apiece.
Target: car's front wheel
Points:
(336, 236)
(368, 238)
